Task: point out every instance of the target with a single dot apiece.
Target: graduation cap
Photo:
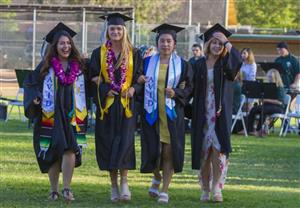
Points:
(167, 29)
(266, 66)
(116, 18)
(59, 27)
(208, 34)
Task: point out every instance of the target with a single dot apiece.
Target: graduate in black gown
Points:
(168, 83)
(212, 110)
(54, 97)
(115, 67)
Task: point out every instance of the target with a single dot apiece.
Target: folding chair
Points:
(282, 116)
(294, 114)
(240, 116)
(18, 101)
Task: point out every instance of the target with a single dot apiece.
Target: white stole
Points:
(174, 72)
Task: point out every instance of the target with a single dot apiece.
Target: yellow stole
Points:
(126, 85)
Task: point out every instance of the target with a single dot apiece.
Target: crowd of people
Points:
(120, 78)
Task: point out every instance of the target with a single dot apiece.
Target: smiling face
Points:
(166, 44)
(216, 47)
(63, 48)
(115, 32)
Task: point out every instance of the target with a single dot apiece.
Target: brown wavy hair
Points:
(52, 52)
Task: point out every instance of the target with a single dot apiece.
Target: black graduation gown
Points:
(150, 139)
(63, 137)
(227, 68)
(114, 135)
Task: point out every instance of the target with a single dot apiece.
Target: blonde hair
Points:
(250, 59)
(126, 46)
(275, 77)
(207, 51)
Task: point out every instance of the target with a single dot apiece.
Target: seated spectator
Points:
(270, 106)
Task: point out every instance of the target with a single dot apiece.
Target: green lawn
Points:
(262, 173)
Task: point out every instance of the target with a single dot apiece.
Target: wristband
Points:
(226, 43)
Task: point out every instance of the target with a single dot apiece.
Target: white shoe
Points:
(125, 193)
(115, 196)
(163, 198)
(218, 196)
(153, 192)
(205, 196)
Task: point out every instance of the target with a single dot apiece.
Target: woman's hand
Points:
(37, 101)
(220, 36)
(95, 79)
(170, 92)
(112, 93)
(129, 93)
(142, 79)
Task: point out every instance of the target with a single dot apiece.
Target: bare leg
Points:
(168, 169)
(205, 173)
(114, 185)
(125, 193)
(53, 175)
(154, 189)
(114, 178)
(157, 177)
(67, 167)
(219, 164)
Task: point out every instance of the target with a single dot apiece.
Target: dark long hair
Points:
(52, 52)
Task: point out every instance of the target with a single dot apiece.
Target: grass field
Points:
(263, 172)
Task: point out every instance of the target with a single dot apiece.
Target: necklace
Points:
(63, 77)
(116, 86)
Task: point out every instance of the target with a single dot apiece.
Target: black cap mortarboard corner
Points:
(166, 28)
(116, 18)
(59, 27)
(266, 66)
(206, 36)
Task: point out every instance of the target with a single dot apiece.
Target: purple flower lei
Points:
(65, 79)
(110, 66)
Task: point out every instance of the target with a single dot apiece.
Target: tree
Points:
(269, 13)
(146, 11)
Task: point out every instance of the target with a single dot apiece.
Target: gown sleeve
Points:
(182, 94)
(94, 64)
(138, 64)
(31, 92)
(233, 63)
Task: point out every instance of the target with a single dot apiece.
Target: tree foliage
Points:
(269, 13)
(146, 11)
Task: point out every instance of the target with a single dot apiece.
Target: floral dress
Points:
(211, 139)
